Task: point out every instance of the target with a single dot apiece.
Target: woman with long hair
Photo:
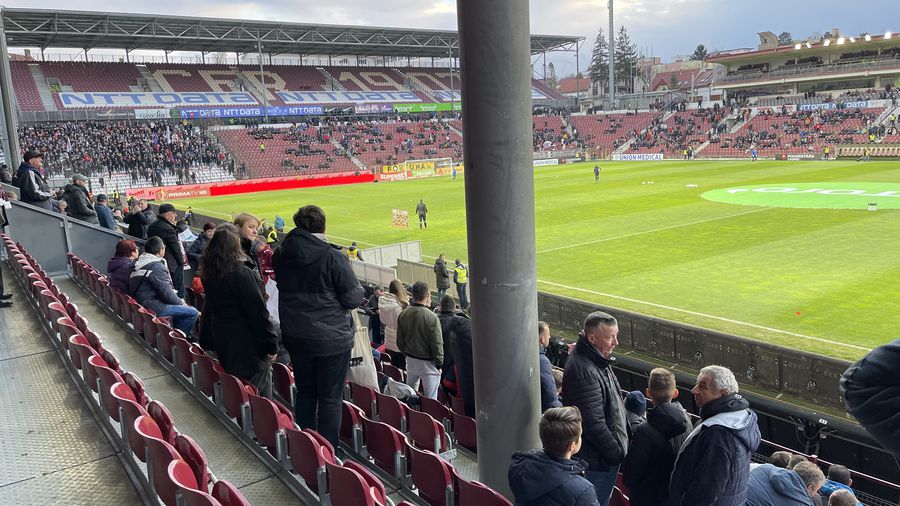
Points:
(248, 227)
(389, 306)
(235, 319)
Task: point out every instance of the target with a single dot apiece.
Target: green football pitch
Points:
(783, 252)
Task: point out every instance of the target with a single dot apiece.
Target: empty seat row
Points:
(146, 426)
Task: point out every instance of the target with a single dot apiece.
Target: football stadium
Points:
(278, 262)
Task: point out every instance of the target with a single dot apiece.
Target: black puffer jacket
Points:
(169, 235)
(714, 464)
(537, 479)
(651, 454)
(871, 389)
(33, 188)
(236, 323)
(459, 341)
(139, 222)
(80, 206)
(316, 291)
(590, 385)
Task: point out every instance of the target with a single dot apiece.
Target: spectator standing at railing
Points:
(79, 203)
(164, 228)
(590, 385)
(713, 464)
(316, 292)
(104, 214)
(140, 217)
(33, 188)
(419, 337)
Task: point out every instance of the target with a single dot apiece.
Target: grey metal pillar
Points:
(10, 137)
(262, 79)
(577, 78)
(612, 57)
(496, 84)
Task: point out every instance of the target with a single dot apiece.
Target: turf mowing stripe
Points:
(669, 227)
(704, 315)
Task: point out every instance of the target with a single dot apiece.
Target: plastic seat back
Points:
(347, 488)
(391, 411)
(192, 493)
(426, 432)
(164, 344)
(268, 421)
(228, 495)
(306, 459)
(474, 492)
(137, 386)
(131, 411)
(234, 395)
(351, 425)
(364, 398)
(283, 382)
(107, 378)
(386, 446)
(183, 357)
(90, 371)
(376, 487)
(431, 475)
(193, 455)
(163, 418)
(394, 372)
(437, 410)
(159, 455)
(464, 429)
(208, 371)
(80, 351)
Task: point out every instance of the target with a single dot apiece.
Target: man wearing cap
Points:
(104, 213)
(79, 204)
(164, 228)
(33, 188)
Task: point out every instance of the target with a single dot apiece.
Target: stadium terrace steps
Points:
(42, 87)
(25, 81)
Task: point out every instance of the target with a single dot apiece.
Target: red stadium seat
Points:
(364, 398)
(425, 432)
(270, 420)
(228, 495)
(347, 487)
(432, 477)
(283, 382)
(465, 431)
(193, 455)
(308, 458)
(391, 411)
(163, 419)
(159, 455)
(387, 447)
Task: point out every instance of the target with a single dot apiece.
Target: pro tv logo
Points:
(830, 195)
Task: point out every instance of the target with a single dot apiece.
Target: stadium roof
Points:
(44, 28)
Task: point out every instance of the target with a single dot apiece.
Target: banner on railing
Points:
(373, 108)
(246, 186)
(551, 161)
(155, 113)
(456, 96)
(125, 99)
(406, 108)
(346, 97)
(638, 157)
(252, 112)
(392, 173)
(859, 104)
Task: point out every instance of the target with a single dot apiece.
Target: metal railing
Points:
(812, 71)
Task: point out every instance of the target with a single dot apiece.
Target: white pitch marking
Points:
(704, 315)
(669, 227)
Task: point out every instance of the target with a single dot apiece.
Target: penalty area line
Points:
(704, 315)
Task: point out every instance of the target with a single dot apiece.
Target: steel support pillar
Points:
(10, 137)
(495, 65)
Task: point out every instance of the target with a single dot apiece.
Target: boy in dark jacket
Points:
(651, 454)
(549, 476)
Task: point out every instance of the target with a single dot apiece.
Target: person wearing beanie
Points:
(635, 408)
(104, 213)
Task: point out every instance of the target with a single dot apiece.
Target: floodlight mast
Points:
(612, 57)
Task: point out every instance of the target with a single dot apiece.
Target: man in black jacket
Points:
(79, 204)
(590, 385)
(316, 292)
(442, 275)
(871, 389)
(651, 454)
(33, 189)
(713, 465)
(164, 228)
(139, 219)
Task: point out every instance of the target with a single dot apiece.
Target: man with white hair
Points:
(713, 464)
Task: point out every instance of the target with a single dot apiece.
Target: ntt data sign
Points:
(346, 97)
(251, 112)
(830, 195)
(116, 99)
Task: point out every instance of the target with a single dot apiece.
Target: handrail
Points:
(821, 69)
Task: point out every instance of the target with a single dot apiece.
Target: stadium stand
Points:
(606, 132)
(193, 78)
(27, 95)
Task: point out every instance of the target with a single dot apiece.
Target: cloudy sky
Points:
(665, 28)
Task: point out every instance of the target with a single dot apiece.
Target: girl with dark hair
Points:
(235, 319)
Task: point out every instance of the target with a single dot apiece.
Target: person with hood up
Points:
(317, 289)
(773, 486)
(713, 464)
(654, 445)
(442, 275)
(33, 188)
(279, 224)
(79, 204)
(635, 410)
(549, 476)
(151, 285)
(121, 265)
